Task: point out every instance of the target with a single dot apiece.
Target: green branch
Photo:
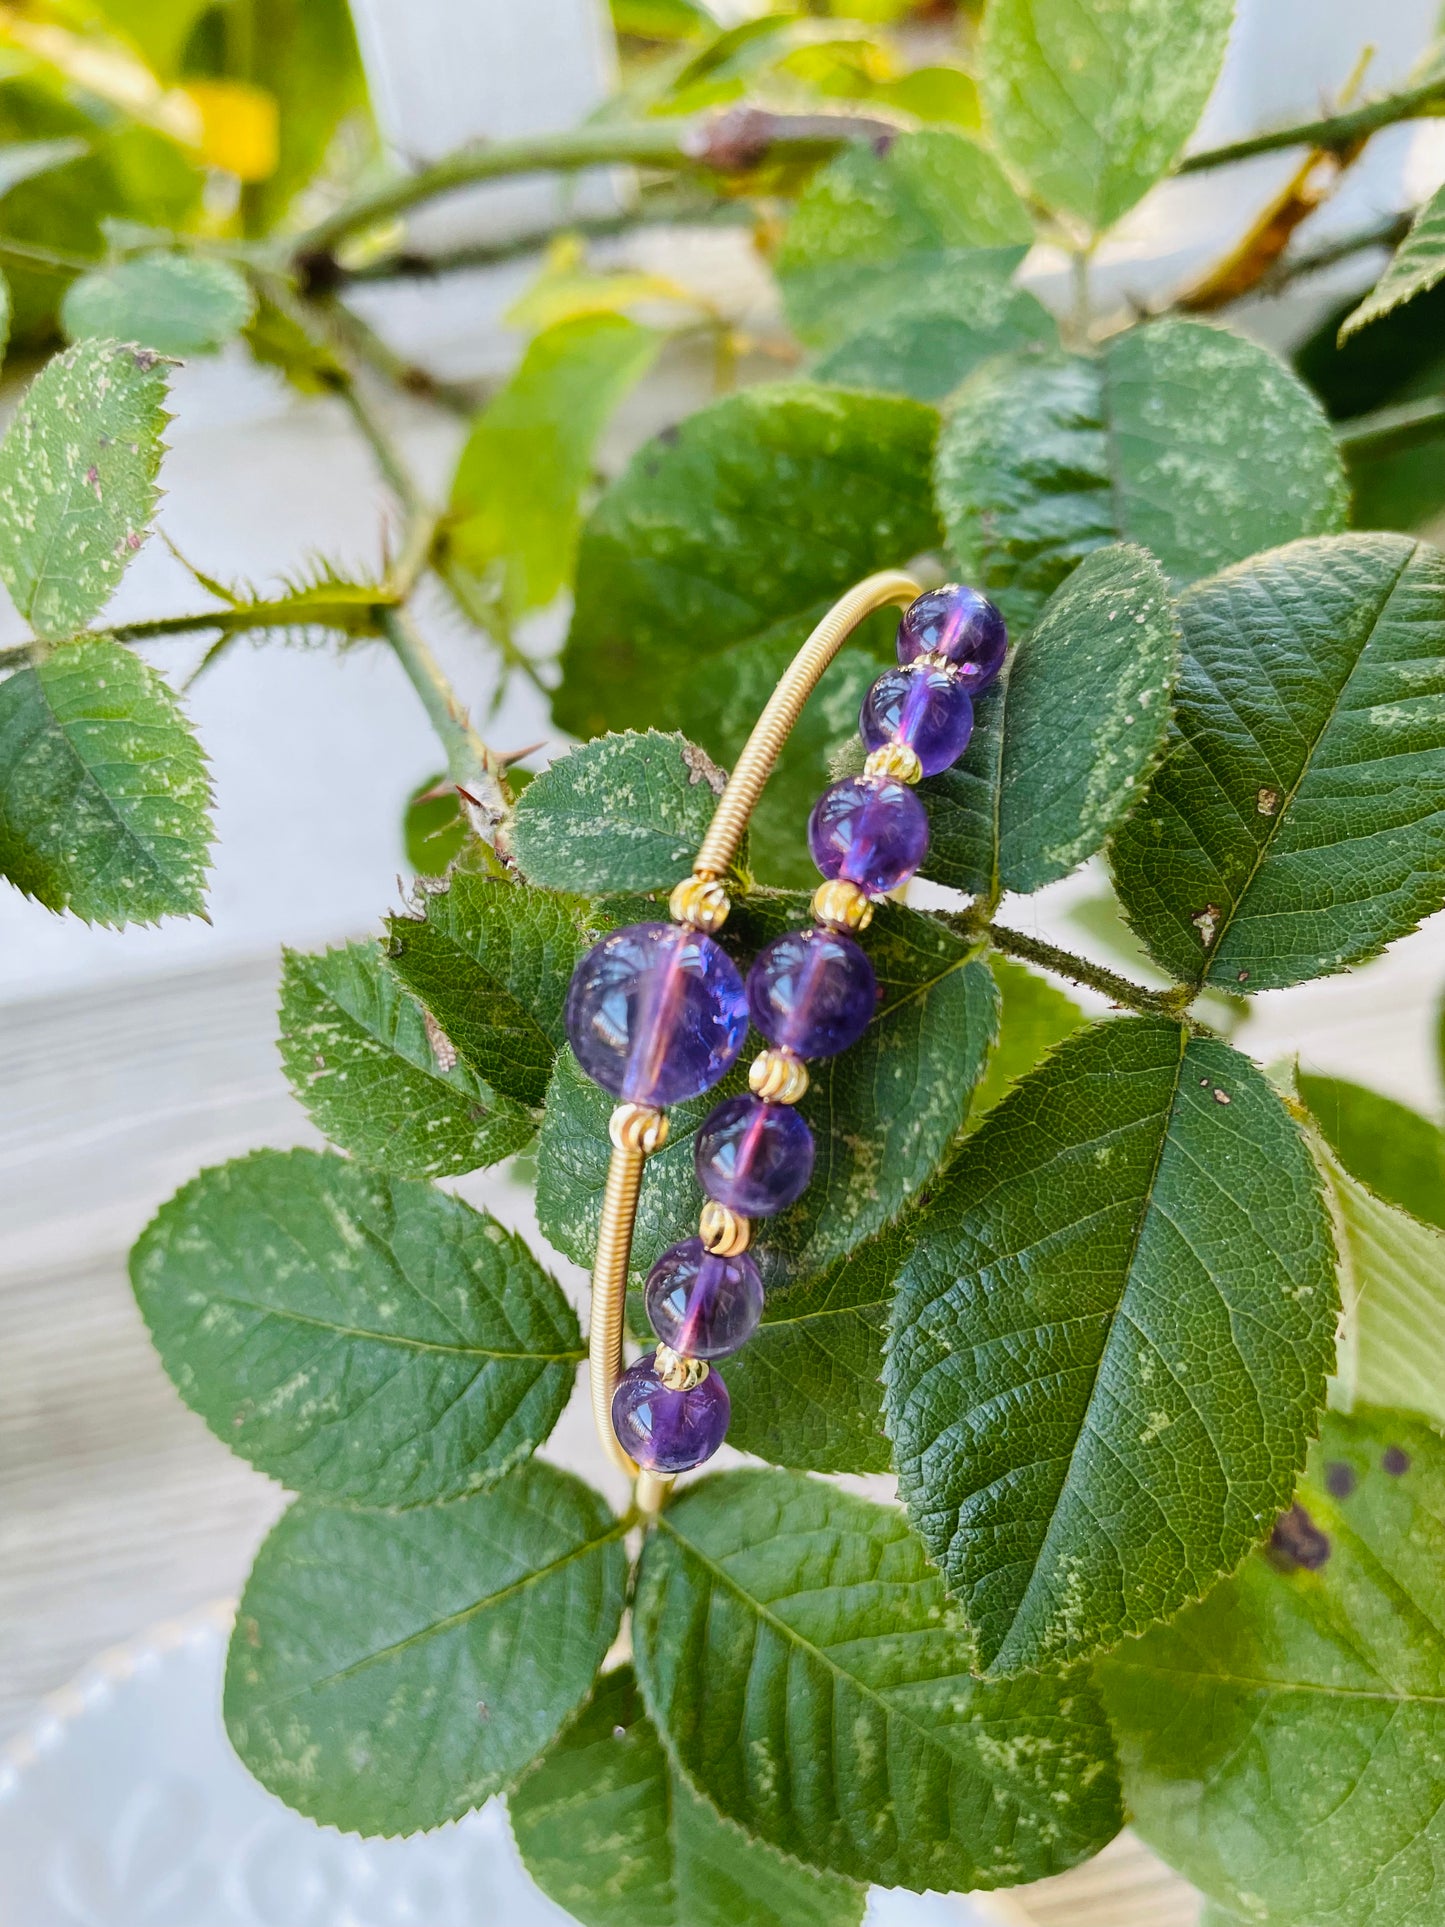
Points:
(475, 770)
(1334, 131)
(1079, 970)
(732, 142)
(1388, 430)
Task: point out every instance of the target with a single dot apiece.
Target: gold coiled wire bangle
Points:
(701, 900)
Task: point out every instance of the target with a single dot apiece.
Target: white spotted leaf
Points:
(842, 1722)
(380, 1077)
(1091, 103)
(1030, 800)
(78, 469)
(104, 800)
(1283, 1743)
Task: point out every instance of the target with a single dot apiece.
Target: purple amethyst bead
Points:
(701, 1305)
(813, 992)
(755, 1158)
(959, 624)
(873, 831)
(656, 1013)
(669, 1431)
(928, 709)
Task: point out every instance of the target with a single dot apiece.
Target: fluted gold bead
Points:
(677, 1373)
(894, 759)
(778, 1076)
(700, 901)
(637, 1127)
(723, 1232)
(842, 905)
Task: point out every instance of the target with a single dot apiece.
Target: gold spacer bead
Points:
(677, 1373)
(722, 1231)
(637, 1127)
(894, 759)
(700, 901)
(778, 1076)
(842, 905)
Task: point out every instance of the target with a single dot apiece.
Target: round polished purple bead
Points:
(656, 1013)
(669, 1431)
(873, 831)
(813, 992)
(702, 1305)
(928, 709)
(959, 624)
(755, 1158)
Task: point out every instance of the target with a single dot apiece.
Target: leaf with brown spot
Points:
(1283, 1743)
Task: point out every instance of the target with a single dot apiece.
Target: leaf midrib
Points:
(398, 1339)
(146, 856)
(1312, 743)
(889, 1710)
(449, 1622)
(1146, 1204)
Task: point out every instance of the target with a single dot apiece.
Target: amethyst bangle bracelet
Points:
(658, 1013)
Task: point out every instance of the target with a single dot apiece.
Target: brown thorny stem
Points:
(890, 587)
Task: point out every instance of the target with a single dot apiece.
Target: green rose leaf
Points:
(177, 304)
(1198, 445)
(1397, 1153)
(934, 196)
(433, 829)
(1030, 801)
(925, 327)
(610, 1830)
(1034, 1016)
(78, 469)
(1120, 1307)
(1417, 266)
(1283, 1741)
(1297, 822)
(896, 266)
(492, 961)
(382, 1080)
(706, 563)
(884, 1114)
(625, 812)
(1392, 1343)
(807, 1388)
(517, 495)
(841, 1721)
(1092, 105)
(304, 54)
(357, 1337)
(23, 160)
(391, 1671)
(104, 801)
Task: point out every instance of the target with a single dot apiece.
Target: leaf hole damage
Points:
(1297, 1544)
(1267, 802)
(1206, 922)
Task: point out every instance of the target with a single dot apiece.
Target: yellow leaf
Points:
(240, 127)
